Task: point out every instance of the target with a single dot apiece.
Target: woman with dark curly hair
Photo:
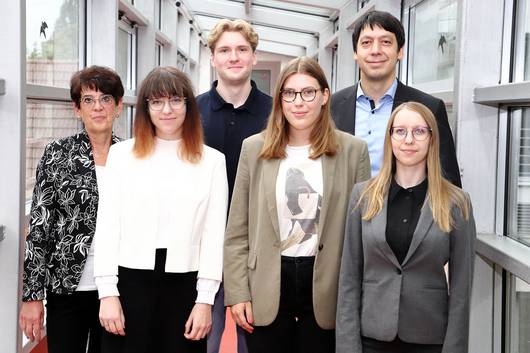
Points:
(59, 256)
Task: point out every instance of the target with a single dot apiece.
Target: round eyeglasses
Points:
(175, 103)
(106, 100)
(307, 94)
(419, 133)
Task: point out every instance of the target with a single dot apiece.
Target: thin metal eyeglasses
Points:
(106, 100)
(307, 94)
(175, 103)
(419, 133)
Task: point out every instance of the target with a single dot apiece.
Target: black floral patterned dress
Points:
(62, 219)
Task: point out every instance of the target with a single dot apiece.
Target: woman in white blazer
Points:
(161, 221)
(403, 227)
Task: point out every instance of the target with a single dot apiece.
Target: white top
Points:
(299, 188)
(87, 283)
(162, 202)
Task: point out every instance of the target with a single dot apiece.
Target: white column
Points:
(12, 161)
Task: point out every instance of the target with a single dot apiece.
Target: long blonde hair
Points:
(323, 136)
(442, 195)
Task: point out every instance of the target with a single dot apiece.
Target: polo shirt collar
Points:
(218, 102)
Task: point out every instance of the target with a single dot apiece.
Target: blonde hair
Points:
(240, 26)
(441, 193)
(323, 136)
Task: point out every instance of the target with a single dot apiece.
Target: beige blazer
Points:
(252, 243)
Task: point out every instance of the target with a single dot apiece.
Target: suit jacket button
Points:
(398, 271)
(320, 247)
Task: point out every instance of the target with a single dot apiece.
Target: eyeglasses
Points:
(419, 133)
(175, 103)
(307, 94)
(105, 100)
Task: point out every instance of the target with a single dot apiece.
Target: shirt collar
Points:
(418, 191)
(390, 92)
(218, 102)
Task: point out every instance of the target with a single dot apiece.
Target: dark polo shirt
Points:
(225, 127)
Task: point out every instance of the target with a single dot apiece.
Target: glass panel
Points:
(52, 41)
(45, 122)
(158, 14)
(519, 316)
(522, 52)
(123, 125)
(433, 41)
(263, 80)
(123, 53)
(158, 54)
(519, 197)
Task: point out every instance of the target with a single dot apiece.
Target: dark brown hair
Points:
(167, 82)
(97, 78)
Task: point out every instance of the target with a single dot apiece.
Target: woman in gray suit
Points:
(403, 227)
(286, 224)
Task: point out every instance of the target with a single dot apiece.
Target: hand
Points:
(31, 319)
(111, 315)
(242, 315)
(199, 323)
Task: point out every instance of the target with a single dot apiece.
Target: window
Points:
(52, 41)
(432, 42)
(158, 54)
(263, 80)
(126, 55)
(518, 315)
(519, 176)
(522, 41)
(45, 122)
(158, 14)
(124, 123)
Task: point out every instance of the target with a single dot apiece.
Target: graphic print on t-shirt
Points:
(302, 207)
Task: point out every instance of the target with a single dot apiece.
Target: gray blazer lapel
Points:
(270, 173)
(422, 228)
(378, 228)
(328, 174)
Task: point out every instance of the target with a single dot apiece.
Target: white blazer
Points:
(128, 213)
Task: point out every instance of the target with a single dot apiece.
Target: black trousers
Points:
(156, 306)
(295, 329)
(72, 322)
(371, 345)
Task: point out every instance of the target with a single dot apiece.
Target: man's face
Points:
(233, 58)
(377, 54)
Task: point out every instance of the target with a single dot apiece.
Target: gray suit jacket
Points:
(252, 243)
(381, 298)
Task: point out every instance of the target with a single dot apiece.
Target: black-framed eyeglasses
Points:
(307, 94)
(175, 103)
(419, 133)
(106, 100)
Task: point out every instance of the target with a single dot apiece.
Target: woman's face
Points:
(168, 115)
(410, 139)
(302, 101)
(97, 111)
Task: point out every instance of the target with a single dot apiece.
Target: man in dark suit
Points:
(364, 108)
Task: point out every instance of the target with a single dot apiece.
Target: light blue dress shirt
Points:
(370, 123)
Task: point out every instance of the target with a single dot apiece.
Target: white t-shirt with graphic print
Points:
(299, 188)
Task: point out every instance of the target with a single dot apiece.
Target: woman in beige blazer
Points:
(403, 226)
(286, 223)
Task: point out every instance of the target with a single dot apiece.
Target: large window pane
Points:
(45, 122)
(123, 124)
(518, 316)
(52, 41)
(522, 52)
(126, 55)
(519, 196)
(433, 39)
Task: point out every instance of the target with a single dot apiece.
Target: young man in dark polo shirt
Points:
(232, 110)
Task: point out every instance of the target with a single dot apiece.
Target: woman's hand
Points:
(111, 315)
(242, 315)
(31, 319)
(199, 323)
